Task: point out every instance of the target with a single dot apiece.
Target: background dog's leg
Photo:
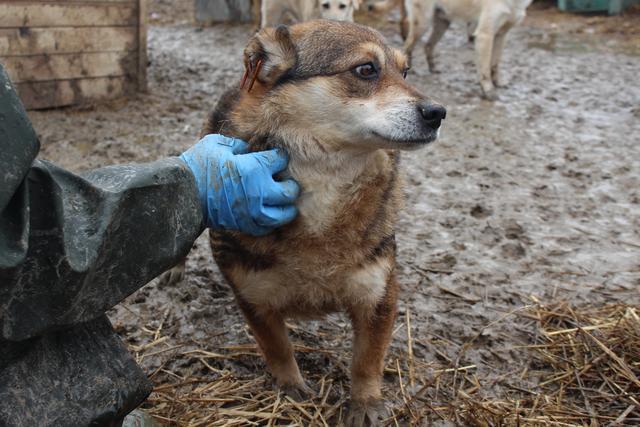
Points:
(404, 21)
(440, 26)
(404, 28)
(270, 332)
(372, 328)
(498, 46)
(484, 54)
(471, 28)
(416, 16)
(256, 14)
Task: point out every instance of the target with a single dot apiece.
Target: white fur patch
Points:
(323, 186)
(396, 120)
(367, 285)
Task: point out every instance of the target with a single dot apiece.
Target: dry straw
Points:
(583, 370)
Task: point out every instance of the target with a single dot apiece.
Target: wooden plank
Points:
(142, 45)
(13, 15)
(70, 66)
(35, 41)
(40, 95)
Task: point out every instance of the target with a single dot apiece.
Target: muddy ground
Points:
(533, 197)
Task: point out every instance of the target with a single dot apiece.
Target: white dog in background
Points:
(492, 18)
(338, 10)
(275, 12)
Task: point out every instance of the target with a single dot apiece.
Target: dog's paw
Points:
(172, 277)
(298, 392)
(490, 95)
(362, 414)
(499, 84)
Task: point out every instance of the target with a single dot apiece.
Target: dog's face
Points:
(338, 10)
(336, 85)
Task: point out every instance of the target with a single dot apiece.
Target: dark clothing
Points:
(75, 377)
(71, 247)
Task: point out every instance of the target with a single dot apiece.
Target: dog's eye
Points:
(366, 71)
(326, 5)
(405, 72)
(343, 6)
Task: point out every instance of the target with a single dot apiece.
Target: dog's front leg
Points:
(270, 332)
(484, 55)
(440, 25)
(417, 23)
(404, 21)
(372, 328)
(256, 15)
(498, 46)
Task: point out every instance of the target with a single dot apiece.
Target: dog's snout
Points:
(433, 114)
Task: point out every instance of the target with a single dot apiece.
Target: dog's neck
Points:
(329, 177)
(342, 163)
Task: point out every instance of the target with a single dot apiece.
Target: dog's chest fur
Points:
(340, 249)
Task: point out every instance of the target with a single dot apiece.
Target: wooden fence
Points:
(66, 52)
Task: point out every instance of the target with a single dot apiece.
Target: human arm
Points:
(72, 246)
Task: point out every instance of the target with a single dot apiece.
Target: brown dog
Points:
(333, 95)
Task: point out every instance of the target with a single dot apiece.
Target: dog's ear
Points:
(269, 55)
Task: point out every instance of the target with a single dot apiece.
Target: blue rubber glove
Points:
(237, 189)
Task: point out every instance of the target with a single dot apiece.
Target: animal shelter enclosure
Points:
(69, 52)
(518, 246)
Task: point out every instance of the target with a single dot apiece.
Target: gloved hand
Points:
(237, 189)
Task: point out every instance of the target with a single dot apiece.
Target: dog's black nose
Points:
(433, 114)
(370, 8)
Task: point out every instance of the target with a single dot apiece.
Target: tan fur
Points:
(341, 132)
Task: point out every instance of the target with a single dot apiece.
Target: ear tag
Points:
(244, 77)
(255, 75)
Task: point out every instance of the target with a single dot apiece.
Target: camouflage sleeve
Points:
(72, 246)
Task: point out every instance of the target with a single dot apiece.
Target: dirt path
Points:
(534, 196)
